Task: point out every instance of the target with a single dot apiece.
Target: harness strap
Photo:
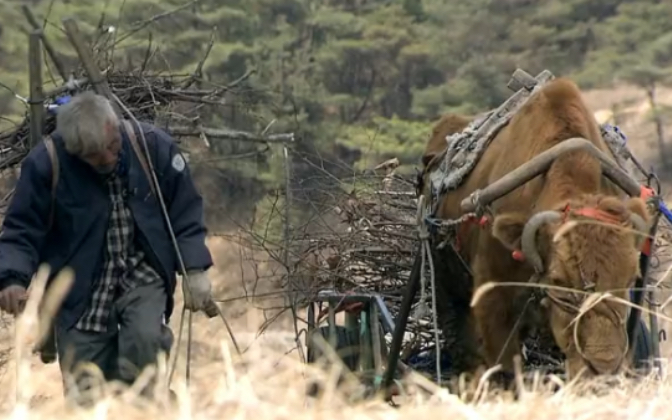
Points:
(645, 194)
(463, 228)
(141, 156)
(55, 167)
(55, 171)
(596, 214)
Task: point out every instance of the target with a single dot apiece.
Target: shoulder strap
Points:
(55, 170)
(141, 156)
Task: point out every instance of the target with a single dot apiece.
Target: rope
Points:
(426, 256)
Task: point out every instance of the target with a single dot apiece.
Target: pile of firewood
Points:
(147, 96)
(367, 243)
(173, 102)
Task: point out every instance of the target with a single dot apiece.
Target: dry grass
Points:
(268, 381)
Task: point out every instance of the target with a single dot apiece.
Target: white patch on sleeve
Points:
(178, 162)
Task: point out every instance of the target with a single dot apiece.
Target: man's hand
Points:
(13, 299)
(196, 289)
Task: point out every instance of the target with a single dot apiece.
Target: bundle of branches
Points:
(167, 100)
(361, 235)
(149, 97)
(144, 94)
(367, 243)
(372, 246)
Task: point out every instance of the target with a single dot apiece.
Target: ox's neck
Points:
(570, 176)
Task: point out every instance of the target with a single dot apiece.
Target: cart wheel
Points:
(643, 353)
(347, 346)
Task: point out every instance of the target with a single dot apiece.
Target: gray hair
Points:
(81, 123)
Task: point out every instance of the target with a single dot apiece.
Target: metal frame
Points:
(372, 321)
(334, 298)
(642, 286)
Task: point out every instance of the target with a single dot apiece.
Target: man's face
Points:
(105, 161)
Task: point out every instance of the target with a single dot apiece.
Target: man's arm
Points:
(183, 202)
(25, 225)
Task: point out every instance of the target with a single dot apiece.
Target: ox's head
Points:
(591, 244)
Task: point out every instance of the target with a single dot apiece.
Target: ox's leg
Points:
(453, 293)
(496, 317)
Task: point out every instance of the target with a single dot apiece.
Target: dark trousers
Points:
(135, 336)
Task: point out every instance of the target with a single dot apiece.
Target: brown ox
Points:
(588, 257)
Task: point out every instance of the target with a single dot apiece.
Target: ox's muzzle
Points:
(599, 335)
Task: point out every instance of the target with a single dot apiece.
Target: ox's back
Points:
(554, 114)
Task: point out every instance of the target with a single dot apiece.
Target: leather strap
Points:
(55, 171)
(141, 156)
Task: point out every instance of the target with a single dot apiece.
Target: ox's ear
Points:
(447, 125)
(508, 229)
(637, 206)
(428, 156)
(435, 146)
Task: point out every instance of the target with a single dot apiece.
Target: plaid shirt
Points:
(124, 265)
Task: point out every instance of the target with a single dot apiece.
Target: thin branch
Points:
(240, 80)
(225, 134)
(148, 54)
(16, 95)
(237, 156)
(198, 73)
(143, 24)
(45, 42)
(232, 85)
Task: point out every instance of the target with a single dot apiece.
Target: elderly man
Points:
(108, 227)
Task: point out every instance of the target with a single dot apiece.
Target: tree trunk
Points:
(660, 132)
(616, 113)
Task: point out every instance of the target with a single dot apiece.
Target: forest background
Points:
(357, 81)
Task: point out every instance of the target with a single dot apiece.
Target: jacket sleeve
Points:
(183, 202)
(25, 225)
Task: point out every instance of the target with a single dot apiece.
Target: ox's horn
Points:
(529, 237)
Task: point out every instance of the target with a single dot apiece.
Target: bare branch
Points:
(198, 73)
(47, 44)
(225, 134)
(240, 80)
(143, 24)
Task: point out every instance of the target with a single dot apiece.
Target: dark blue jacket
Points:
(82, 209)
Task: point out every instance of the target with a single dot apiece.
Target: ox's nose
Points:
(603, 360)
(604, 367)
